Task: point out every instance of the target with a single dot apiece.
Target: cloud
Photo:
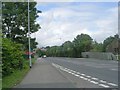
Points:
(77, 0)
(65, 22)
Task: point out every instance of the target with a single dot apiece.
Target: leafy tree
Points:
(40, 53)
(97, 47)
(106, 42)
(68, 49)
(15, 20)
(82, 43)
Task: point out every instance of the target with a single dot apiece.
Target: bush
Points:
(11, 56)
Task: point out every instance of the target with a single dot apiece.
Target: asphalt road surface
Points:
(58, 72)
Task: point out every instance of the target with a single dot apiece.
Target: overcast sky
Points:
(63, 21)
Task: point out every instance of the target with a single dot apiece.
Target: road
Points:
(59, 72)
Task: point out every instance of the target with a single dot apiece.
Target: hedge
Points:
(12, 56)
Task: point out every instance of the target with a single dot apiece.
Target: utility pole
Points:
(30, 63)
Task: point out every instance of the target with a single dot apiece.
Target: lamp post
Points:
(29, 37)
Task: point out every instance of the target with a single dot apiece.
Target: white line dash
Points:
(94, 78)
(77, 75)
(83, 74)
(85, 78)
(88, 76)
(113, 69)
(81, 77)
(69, 72)
(112, 84)
(103, 81)
(94, 82)
(78, 72)
(106, 86)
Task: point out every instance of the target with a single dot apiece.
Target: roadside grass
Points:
(17, 76)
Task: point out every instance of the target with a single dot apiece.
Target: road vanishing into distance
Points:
(60, 72)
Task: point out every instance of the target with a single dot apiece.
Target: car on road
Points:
(44, 56)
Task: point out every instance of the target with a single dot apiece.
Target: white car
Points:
(44, 56)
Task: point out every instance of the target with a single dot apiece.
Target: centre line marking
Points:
(112, 84)
(106, 86)
(94, 78)
(94, 82)
(88, 76)
(83, 74)
(103, 81)
(77, 74)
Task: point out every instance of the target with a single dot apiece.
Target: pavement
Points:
(56, 72)
(44, 75)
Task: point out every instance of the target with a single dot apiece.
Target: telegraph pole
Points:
(30, 63)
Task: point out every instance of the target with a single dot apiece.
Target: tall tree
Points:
(82, 43)
(106, 42)
(68, 49)
(15, 20)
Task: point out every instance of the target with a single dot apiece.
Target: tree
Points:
(97, 47)
(82, 43)
(68, 49)
(15, 20)
(106, 42)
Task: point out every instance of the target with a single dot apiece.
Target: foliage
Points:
(10, 56)
(15, 21)
(97, 47)
(40, 53)
(15, 33)
(106, 42)
(81, 43)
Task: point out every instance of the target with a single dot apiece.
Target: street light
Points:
(29, 36)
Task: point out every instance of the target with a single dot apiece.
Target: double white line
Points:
(83, 76)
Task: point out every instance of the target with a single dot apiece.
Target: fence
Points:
(99, 55)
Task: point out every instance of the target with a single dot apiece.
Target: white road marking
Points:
(77, 72)
(69, 72)
(112, 84)
(94, 82)
(103, 81)
(106, 86)
(88, 76)
(66, 68)
(94, 78)
(89, 80)
(84, 77)
(114, 69)
(81, 77)
(77, 75)
(83, 74)
(73, 73)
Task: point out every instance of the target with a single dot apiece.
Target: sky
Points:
(63, 21)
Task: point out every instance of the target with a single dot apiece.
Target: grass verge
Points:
(16, 77)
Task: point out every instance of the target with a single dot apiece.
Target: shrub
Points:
(11, 55)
